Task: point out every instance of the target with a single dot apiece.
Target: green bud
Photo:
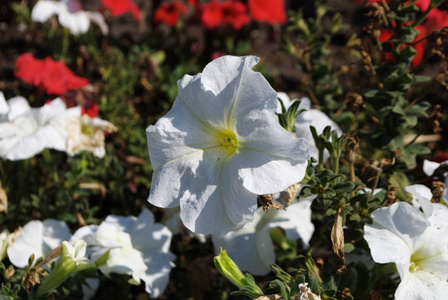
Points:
(227, 267)
(246, 283)
(72, 261)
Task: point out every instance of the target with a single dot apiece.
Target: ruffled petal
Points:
(220, 203)
(77, 22)
(43, 10)
(391, 236)
(270, 158)
(29, 240)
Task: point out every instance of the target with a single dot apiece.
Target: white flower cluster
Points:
(26, 131)
(135, 246)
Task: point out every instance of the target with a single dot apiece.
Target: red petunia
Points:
(119, 7)
(169, 12)
(436, 19)
(54, 76)
(215, 13)
(419, 47)
(270, 11)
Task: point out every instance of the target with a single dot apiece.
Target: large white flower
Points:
(37, 238)
(251, 246)
(309, 117)
(220, 146)
(70, 15)
(135, 246)
(27, 131)
(401, 234)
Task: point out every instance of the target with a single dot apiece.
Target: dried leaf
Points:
(337, 239)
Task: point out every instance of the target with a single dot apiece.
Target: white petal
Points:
(126, 260)
(429, 167)
(120, 222)
(238, 88)
(270, 158)
(54, 233)
(295, 220)
(219, 203)
(421, 197)
(18, 106)
(422, 285)
(252, 252)
(439, 217)
(98, 19)
(392, 234)
(43, 10)
(28, 241)
(146, 235)
(77, 22)
(85, 233)
(156, 276)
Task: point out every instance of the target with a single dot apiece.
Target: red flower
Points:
(53, 76)
(212, 14)
(215, 13)
(270, 11)
(92, 111)
(169, 12)
(419, 47)
(436, 19)
(119, 7)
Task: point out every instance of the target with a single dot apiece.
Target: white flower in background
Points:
(85, 133)
(220, 146)
(429, 167)
(38, 238)
(401, 234)
(27, 131)
(251, 246)
(133, 246)
(175, 225)
(310, 117)
(70, 15)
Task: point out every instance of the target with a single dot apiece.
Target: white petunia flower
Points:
(309, 117)
(38, 238)
(251, 246)
(27, 131)
(133, 246)
(85, 133)
(70, 15)
(220, 146)
(402, 235)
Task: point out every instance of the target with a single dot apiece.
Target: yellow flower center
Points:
(86, 129)
(413, 267)
(226, 139)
